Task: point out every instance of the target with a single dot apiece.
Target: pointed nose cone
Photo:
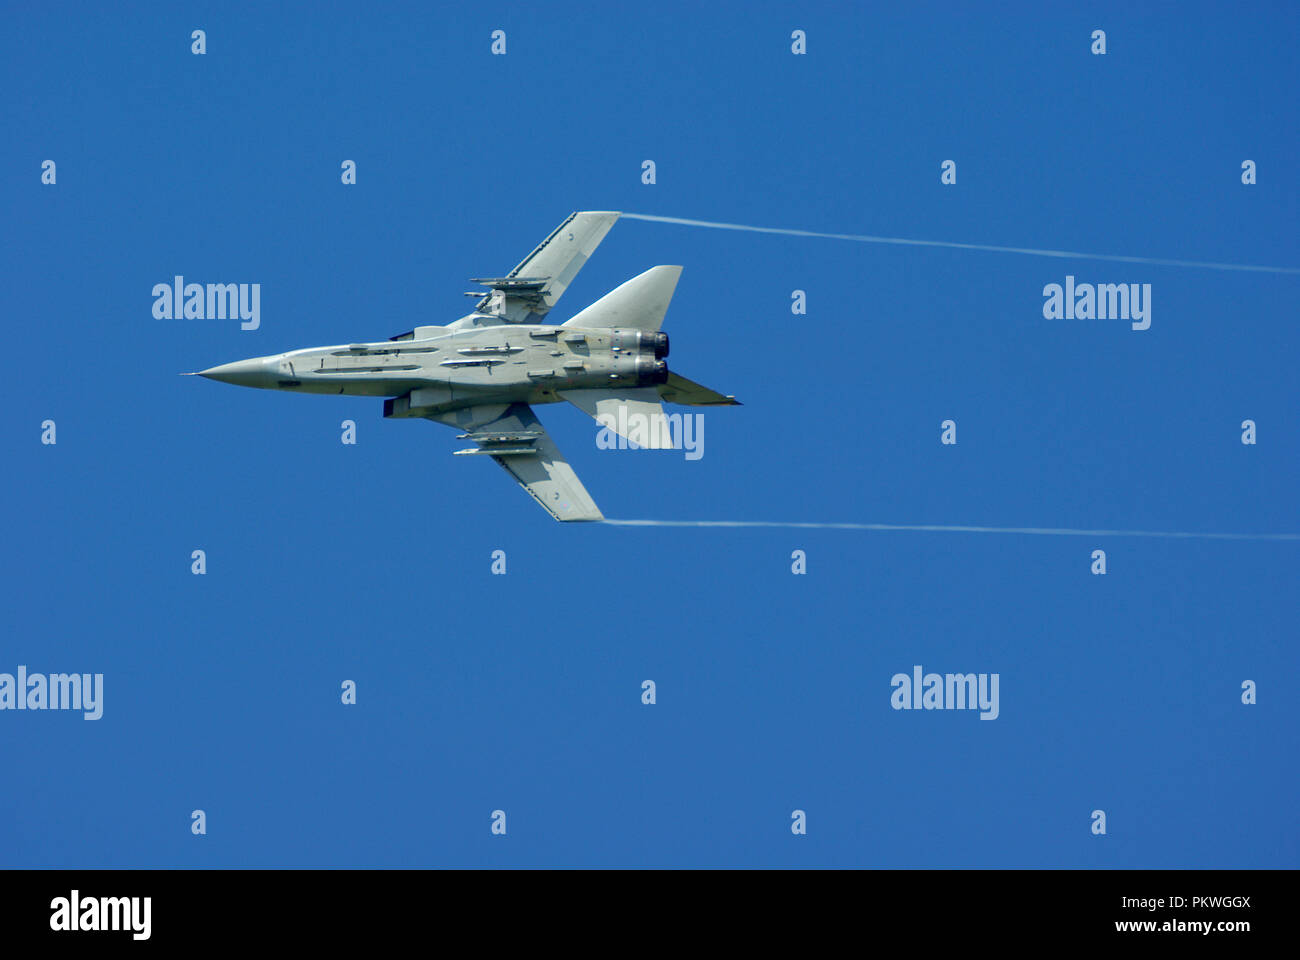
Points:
(257, 372)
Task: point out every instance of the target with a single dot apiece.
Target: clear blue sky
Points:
(477, 692)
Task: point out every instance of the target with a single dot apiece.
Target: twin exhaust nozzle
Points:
(653, 372)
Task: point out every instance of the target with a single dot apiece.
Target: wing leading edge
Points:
(529, 291)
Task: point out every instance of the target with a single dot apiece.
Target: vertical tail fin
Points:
(639, 304)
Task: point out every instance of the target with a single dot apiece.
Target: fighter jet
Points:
(484, 372)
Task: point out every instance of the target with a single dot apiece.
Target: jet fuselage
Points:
(446, 369)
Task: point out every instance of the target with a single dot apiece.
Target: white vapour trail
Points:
(1031, 251)
(953, 528)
